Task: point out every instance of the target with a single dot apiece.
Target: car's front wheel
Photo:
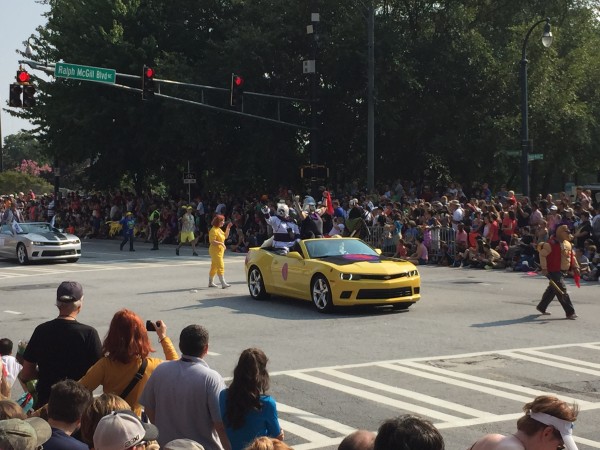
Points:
(321, 294)
(22, 256)
(256, 284)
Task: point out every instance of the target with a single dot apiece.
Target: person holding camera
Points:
(125, 369)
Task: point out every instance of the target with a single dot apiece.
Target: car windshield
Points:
(322, 248)
(36, 228)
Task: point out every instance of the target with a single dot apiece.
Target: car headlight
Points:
(36, 243)
(76, 241)
(349, 276)
(413, 273)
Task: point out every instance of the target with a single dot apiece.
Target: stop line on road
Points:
(137, 264)
(444, 413)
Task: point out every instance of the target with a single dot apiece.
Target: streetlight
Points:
(526, 144)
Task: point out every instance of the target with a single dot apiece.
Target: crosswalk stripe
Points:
(410, 394)
(552, 363)
(376, 397)
(588, 442)
(303, 432)
(459, 383)
(561, 358)
(330, 442)
(486, 381)
(314, 418)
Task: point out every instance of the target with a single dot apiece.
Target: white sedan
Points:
(38, 241)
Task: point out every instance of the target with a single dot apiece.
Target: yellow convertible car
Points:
(333, 272)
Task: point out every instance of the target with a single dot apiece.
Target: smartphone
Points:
(150, 326)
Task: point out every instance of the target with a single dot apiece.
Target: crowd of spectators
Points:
(457, 227)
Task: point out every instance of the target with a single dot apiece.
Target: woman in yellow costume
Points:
(216, 238)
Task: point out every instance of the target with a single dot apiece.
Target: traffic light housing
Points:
(237, 90)
(28, 96)
(14, 98)
(23, 77)
(147, 83)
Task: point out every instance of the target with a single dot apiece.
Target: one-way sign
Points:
(189, 178)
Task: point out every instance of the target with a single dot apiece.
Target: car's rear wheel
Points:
(256, 284)
(22, 256)
(321, 294)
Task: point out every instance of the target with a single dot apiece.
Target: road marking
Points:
(463, 376)
(409, 394)
(316, 419)
(459, 383)
(135, 264)
(561, 358)
(13, 312)
(552, 363)
(376, 397)
(419, 368)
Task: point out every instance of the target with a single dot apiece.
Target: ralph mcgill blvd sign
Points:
(77, 72)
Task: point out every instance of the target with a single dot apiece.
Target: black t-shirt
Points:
(583, 227)
(523, 221)
(62, 441)
(61, 349)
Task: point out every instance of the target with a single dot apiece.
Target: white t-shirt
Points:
(12, 368)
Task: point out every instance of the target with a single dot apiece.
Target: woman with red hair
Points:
(124, 348)
(216, 239)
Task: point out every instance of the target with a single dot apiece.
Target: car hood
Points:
(49, 236)
(371, 265)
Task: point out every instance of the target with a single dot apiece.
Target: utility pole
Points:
(314, 133)
(371, 99)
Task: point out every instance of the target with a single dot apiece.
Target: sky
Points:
(18, 20)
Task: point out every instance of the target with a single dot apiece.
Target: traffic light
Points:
(28, 96)
(148, 83)
(14, 98)
(23, 77)
(237, 90)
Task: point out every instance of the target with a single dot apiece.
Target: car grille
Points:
(56, 244)
(381, 294)
(384, 277)
(58, 252)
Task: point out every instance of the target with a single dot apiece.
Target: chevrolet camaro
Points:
(333, 272)
(38, 241)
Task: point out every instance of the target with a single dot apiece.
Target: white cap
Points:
(121, 430)
(564, 427)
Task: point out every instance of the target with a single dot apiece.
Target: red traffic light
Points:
(149, 72)
(237, 80)
(23, 76)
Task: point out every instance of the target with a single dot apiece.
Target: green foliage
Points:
(447, 91)
(12, 181)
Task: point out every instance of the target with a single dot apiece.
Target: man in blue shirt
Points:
(128, 223)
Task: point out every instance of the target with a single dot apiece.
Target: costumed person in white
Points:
(285, 231)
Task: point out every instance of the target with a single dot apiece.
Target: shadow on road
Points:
(530, 318)
(274, 307)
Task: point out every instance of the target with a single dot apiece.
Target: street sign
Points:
(535, 157)
(88, 73)
(189, 178)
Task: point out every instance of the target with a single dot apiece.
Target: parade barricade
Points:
(442, 242)
(382, 238)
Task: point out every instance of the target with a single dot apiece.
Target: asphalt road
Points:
(467, 356)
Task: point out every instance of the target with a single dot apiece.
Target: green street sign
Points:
(535, 156)
(88, 73)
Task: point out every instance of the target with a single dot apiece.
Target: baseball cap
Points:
(121, 430)
(69, 291)
(183, 444)
(553, 208)
(564, 427)
(129, 213)
(189, 207)
(26, 434)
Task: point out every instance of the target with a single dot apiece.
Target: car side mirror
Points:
(295, 255)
